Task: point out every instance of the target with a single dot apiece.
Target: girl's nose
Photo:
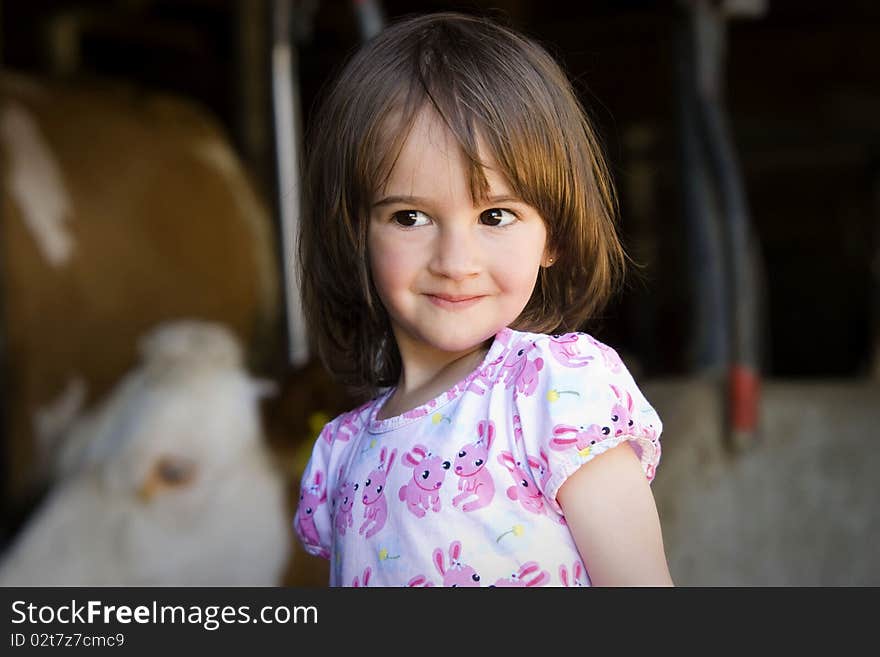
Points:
(456, 253)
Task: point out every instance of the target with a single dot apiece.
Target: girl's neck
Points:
(421, 381)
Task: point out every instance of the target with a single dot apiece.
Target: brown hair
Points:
(483, 80)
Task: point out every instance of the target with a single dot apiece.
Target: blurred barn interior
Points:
(744, 138)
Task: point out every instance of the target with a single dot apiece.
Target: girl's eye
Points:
(410, 218)
(497, 217)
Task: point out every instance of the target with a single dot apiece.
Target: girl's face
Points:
(450, 271)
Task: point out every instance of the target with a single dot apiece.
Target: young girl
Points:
(457, 208)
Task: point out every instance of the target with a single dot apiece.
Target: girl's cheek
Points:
(399, 252)
(391, 268)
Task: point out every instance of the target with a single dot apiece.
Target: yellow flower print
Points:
(369, 447)
(383, 555)
(584, 452)
(438, 417)
(516, 530)
(553, 395)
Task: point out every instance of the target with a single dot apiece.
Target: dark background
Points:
(801, 87)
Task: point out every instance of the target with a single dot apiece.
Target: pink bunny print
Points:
(429, 470)
(311, 496)
(517, 431)
(578, 575)
(649, 431)
(350, 424)
(343, 502)
(327, 433)
(566, 350)
(622, 417)
(582, 438)
(457, 574)
(521, 372)
(530, 497)
(375, 504)
(609, 356)
(525, 577)
(544, 469)
(504, 337)
(485, 377)
(525, 489)
(622, 414)
(367, 572)
(419, 581)
(543, 466)
(475, 480)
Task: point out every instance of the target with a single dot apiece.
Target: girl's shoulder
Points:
(572, 350)
(538, 369)
(574, 399)
(572, 376)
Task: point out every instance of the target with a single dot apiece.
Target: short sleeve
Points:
(312, 521)
(583, 402)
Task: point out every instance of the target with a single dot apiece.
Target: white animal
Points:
(168, 482)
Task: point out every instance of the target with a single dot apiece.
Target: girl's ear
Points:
(549, 258)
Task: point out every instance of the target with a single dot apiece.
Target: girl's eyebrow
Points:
(417, 200)
(403, 200)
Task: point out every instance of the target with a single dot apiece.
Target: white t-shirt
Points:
(461, 491)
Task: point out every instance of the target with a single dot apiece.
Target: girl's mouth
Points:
(454, 303)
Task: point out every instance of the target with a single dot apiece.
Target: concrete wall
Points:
(798, 508)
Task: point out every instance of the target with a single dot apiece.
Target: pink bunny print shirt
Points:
(461, 491)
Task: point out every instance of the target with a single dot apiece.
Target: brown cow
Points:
(120, 209)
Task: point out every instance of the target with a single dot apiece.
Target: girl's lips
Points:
(449, 304)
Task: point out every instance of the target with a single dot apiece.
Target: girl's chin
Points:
(464, 344)
(449, 342)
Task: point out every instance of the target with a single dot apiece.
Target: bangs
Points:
(397, 126)
(495, 108)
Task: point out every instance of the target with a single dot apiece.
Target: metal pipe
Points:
(743, 379)
(708, 331)
(369, 17)
(287, 120)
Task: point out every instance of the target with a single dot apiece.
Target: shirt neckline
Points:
(429, 407)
